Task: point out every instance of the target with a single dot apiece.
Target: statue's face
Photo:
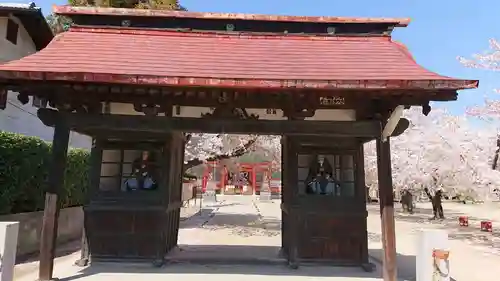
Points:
(321, 159)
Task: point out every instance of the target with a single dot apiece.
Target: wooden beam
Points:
(158, 124)
(124, 135)
(51, 210)
(387, 210)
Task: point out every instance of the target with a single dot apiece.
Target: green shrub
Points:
(24, 168)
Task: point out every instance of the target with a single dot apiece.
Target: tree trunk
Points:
(236, 153)
(497, 151)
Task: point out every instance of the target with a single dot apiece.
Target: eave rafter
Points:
(87, 94)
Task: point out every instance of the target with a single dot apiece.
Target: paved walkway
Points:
(228, 230)
(68, 253)
(242, 227)
(236, 227)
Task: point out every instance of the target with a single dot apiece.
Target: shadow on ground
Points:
(225, 254)
(197, 219)
(406, 264)
(228, 205)
(245, 260)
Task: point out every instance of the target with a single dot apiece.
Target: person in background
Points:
(437, 206)
(407, 201)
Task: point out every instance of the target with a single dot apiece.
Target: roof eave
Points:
(143, 80)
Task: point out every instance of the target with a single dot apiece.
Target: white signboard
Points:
(433, 254)
(8, 247)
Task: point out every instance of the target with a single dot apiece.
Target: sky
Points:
(440, 30)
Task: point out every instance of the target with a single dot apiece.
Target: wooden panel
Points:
(104, 222)
(332, 237)
(120, 234)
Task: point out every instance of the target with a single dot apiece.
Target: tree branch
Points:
(235, 153)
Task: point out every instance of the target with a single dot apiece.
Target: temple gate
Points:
(325, 84)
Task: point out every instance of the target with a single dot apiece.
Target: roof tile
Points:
(163, 57)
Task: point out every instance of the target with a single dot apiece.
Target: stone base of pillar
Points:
(209, 196)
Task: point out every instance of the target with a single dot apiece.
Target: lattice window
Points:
(129, 170)
(332, 175)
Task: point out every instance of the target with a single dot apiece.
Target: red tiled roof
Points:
(170, 58)
(71, 10)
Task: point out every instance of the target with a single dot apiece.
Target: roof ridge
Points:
(74, 10)
(220, 34)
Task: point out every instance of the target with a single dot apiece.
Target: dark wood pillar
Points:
(51, 210)
(291, 216)
(361, 189)
(387, 210)
(95, 172)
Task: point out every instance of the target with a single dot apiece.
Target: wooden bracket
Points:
(392, 122)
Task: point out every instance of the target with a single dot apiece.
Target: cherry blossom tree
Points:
(440, 151)
(490, 110)
(202, 148)
(487, 60)
(446, 151)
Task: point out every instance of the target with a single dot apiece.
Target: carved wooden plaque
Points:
(332, 101)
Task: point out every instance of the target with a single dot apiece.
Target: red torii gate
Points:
(252, 168)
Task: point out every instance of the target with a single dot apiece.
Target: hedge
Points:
(24, 168)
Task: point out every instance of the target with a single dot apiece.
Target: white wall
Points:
(20, 118)
(24, 46)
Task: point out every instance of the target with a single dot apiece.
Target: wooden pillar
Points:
(94, 178)
(51, 210)
(254, 179)
(360, 181)
(294, 215)
(387, 210)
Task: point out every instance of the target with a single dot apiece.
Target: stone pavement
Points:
(242, 227)
(68, 253)
(237, 227)
(228, 230)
